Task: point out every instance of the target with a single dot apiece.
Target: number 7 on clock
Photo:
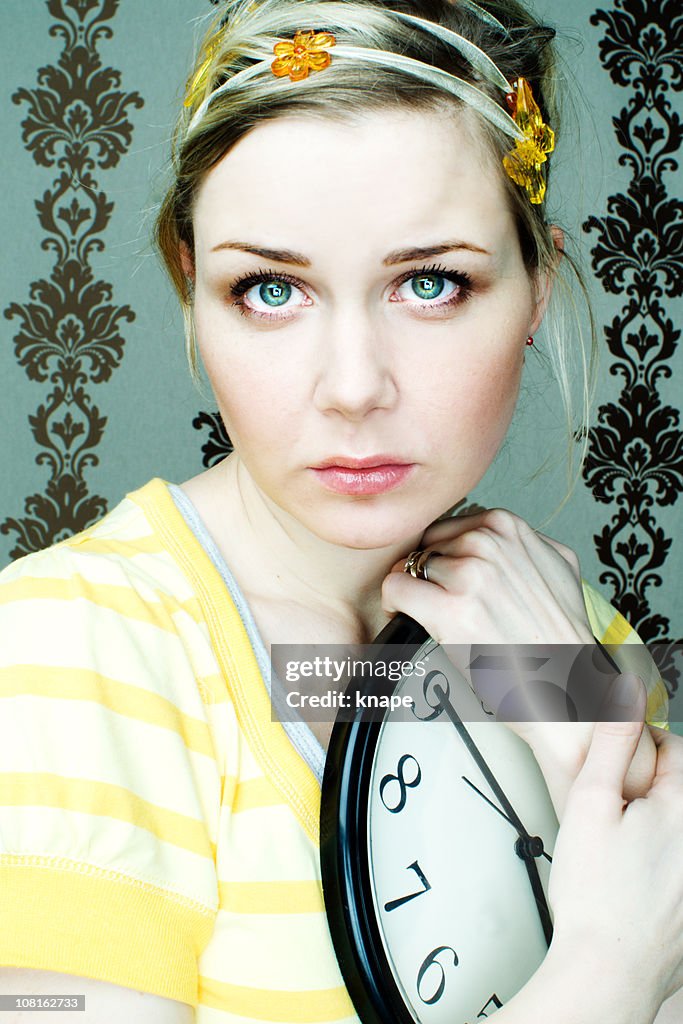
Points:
(393, 904)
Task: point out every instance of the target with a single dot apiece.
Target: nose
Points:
(355, 371)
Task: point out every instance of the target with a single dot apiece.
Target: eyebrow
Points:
(424, 252)
(400, 256)
(278, 255)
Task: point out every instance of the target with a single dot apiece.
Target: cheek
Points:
(257, 407)
(499, 387)
(499, 398)
(481, 400)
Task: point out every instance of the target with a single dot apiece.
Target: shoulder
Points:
(608, 624)
(628, 650)
(120, 549)
(109, 783)
(108, 606)
(116, 575)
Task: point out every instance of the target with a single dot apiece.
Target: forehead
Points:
(377, 178)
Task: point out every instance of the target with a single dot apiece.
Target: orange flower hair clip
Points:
(306, 52)
(524, 163)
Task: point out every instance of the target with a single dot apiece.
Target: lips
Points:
(369, 462)
(374, 474)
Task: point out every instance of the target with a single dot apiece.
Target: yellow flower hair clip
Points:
(524, 163)
(198, 82)
(306, 52)
(197, 85)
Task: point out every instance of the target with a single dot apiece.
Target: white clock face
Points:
(453, 899)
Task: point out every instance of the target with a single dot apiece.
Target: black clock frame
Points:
(344, 846)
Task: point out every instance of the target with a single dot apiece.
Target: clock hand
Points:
(477, 756)
(521, 848)
(535, 844)
(539, 894)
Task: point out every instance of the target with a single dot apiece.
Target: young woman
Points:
(356, 231)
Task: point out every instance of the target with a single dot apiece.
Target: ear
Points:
(545, 280)
(187, 261)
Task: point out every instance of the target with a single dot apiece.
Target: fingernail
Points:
(625, 690)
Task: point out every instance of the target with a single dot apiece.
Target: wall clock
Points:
(437, 834)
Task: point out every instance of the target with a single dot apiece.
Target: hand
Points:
(501, 582)
(616, 885)
(561, 747)
(498, 582)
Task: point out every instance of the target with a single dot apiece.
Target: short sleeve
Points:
(107, 779)
(629, 652)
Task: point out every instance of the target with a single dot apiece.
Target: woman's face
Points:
(360, 294)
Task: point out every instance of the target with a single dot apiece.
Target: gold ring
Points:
(411, 562)
(416, 564)
(421, 567)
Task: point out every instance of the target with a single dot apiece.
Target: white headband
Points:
(465, 91)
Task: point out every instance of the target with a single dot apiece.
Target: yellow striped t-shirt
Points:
(157, 829)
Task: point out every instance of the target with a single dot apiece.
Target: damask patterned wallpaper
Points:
(97, 399)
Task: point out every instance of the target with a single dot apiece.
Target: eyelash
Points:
(243, 284)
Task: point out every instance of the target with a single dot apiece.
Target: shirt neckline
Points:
(297, 729)
(232, 646)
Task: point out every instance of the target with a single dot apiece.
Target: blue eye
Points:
(448, 286)
(267, 295)
(429, 286)
(275, 293)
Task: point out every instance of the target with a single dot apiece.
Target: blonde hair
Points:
(236, 40)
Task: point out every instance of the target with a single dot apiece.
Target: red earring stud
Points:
(529, 340)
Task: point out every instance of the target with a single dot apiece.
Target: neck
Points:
(277, 559)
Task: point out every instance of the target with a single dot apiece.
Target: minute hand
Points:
(532, 870)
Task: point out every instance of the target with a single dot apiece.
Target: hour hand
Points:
(529, 846)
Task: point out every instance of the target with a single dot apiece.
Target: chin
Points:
(369, 529)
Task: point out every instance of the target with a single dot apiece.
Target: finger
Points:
(567, 553)
(417, 598)
(607, 762)
(447, 529)
(428, 566)
(500, 521)
(669, 753)
(436, 569)
(454, 575)
(626, 700)
(400, 565)
(659, 735)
